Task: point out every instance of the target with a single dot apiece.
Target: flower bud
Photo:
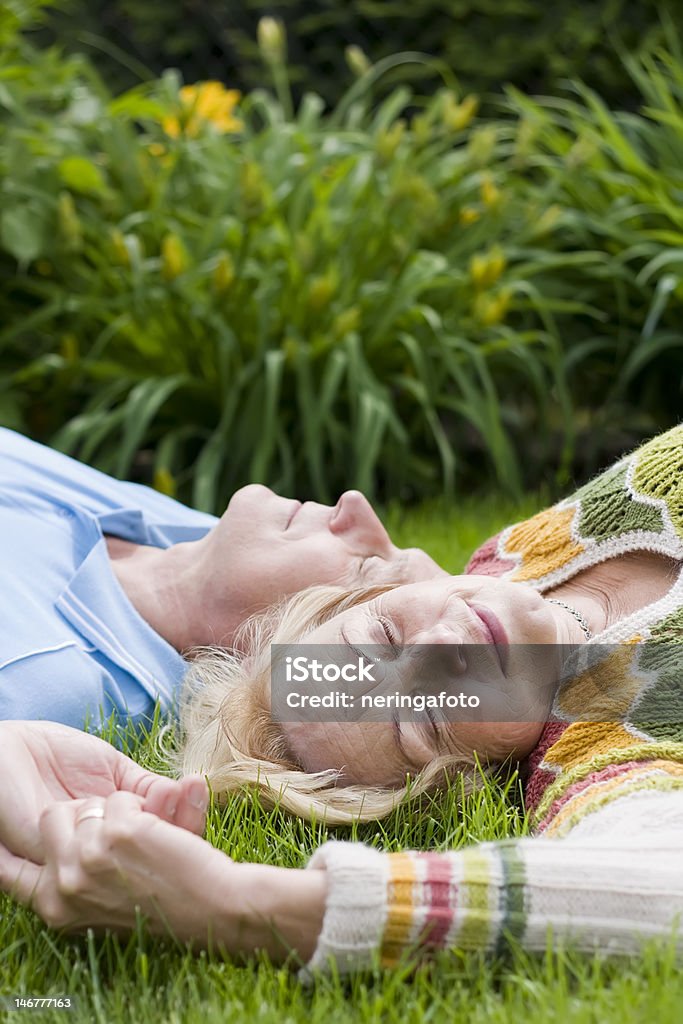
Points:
(486, 268)
(224, 273)
(69, 347)
(253, 190)
(481, 144)
(174, 257)
(321, 290)
(271, 40)
(489, 310)
(119, 248)
(346, 322)
(490, 193)
(357, 60)
(164, 481)
(469, 215)
(457, 116)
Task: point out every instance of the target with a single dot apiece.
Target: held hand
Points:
(44, 762)
(105, 859)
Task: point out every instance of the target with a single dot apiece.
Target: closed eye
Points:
(389, 630)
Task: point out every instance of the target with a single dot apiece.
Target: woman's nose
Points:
(439, 650)
(356, 517)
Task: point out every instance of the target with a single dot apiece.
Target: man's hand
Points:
(44, 762)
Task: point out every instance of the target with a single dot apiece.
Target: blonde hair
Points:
(228, 734)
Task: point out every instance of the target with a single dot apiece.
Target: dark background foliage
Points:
(532, 44)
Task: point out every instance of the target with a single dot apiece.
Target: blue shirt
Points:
(73, 649)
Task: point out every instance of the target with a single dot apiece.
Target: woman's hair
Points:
(228, 734)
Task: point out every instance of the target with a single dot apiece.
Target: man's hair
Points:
(228, 734)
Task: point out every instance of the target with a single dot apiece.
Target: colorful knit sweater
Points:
(604, 868)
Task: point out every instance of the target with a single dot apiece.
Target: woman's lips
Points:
(494, 628)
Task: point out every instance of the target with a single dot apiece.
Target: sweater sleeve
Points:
(614, 881)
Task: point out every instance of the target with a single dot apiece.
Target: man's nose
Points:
(356, 517)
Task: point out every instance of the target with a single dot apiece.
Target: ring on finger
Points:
(93, 812)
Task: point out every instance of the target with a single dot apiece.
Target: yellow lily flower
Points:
(204, 103)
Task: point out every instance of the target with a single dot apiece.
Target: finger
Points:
(90, 810)
(161, 797)
(193, 804)
(73, 837)
(164, 797)
(18, 877)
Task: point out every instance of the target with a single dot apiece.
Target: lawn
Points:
(148, 980)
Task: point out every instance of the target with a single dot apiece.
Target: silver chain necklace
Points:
(577, 615)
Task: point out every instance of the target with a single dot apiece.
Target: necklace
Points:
(577, 615)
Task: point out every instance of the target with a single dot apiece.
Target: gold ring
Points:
(96, 812)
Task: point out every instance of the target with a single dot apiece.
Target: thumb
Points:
(19, 877)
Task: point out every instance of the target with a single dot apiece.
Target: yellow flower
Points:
(469, 215)
(174, 257)
(490, 193)
(486, 268)
(202, 104)
(489, 310)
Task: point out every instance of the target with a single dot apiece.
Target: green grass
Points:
(149, 980)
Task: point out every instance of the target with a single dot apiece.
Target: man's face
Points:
(272, 547)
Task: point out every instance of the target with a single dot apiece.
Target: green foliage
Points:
(390, 296)
(291, 303)
(533, 45)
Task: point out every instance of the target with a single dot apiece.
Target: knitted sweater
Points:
(604, 867)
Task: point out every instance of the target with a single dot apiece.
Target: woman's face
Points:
(473, 635)
(274, 547)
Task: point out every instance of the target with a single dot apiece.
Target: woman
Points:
(603, 569)
(109, 583)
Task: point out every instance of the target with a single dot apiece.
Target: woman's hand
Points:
(43, 762)
(105, 859)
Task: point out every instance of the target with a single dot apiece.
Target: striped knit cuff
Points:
(355, 910)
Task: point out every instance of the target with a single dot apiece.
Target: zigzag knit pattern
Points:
(609, 765)
(636, 692)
